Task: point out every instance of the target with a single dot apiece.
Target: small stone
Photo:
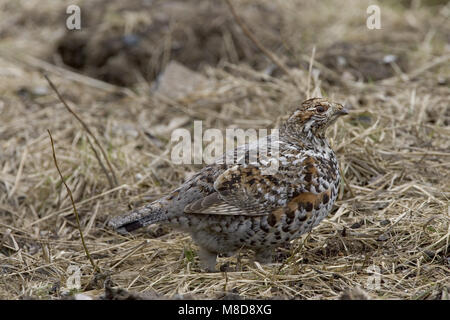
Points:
(177, 81)
(341, 61)
(390, 58)
(442, 81)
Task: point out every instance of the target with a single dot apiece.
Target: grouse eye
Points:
(320, 109)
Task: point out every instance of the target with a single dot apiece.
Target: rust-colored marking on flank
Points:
(307, 197)
(310, 166)
(306, 200)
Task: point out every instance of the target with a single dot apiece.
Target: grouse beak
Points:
(342, 111)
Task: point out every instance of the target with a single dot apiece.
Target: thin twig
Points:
(88, 131)
(73, 205)
(256, 42)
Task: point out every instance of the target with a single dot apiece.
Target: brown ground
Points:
(392, 215)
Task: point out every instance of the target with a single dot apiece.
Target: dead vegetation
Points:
(392, 217)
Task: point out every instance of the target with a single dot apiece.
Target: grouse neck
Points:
(306, 141)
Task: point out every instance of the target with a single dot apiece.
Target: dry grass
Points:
(392, 212)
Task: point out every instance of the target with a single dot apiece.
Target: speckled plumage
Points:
(226, 207)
